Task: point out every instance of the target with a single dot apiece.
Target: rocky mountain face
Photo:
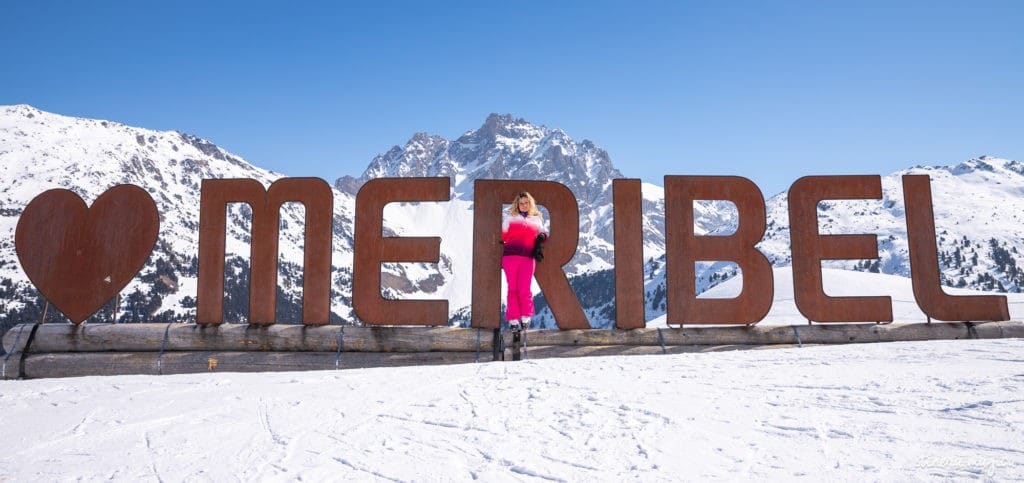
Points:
(977, 205)
(506, 148)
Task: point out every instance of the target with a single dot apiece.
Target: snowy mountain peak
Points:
(22, 110)
(988, 164)
(505, 125)
(507, 147)
(501, 134)
(504, 147)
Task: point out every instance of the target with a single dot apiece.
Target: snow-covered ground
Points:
(896, 411)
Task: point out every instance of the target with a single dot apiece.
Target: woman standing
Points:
(522, 226)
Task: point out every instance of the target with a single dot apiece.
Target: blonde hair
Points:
(514, 209)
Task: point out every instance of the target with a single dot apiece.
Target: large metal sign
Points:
(79, 257)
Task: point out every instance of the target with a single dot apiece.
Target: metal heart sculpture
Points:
(80, 257)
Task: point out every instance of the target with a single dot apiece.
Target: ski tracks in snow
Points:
(930, 410)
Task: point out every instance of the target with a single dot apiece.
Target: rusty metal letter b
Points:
(683, 248)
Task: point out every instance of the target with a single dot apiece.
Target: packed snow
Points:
(894, 411)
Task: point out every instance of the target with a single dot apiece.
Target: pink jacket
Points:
(519, 233)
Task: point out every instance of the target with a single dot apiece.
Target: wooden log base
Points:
(59, 350)
(69, 364)
(557, 351)
(77, 364)
(244, 337)
(14, 343)
(299, 338)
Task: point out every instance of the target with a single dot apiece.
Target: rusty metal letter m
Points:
(315, 194)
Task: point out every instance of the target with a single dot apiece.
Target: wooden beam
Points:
(561, 351)
(243, 337)
(14, 343)
(60, 350)
(785, 334)
(126, 363)
(69, 364)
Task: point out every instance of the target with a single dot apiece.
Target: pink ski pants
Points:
(519, 274)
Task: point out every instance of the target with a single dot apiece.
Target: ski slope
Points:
(895, 411)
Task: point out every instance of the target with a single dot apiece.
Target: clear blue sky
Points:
(767, 90)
